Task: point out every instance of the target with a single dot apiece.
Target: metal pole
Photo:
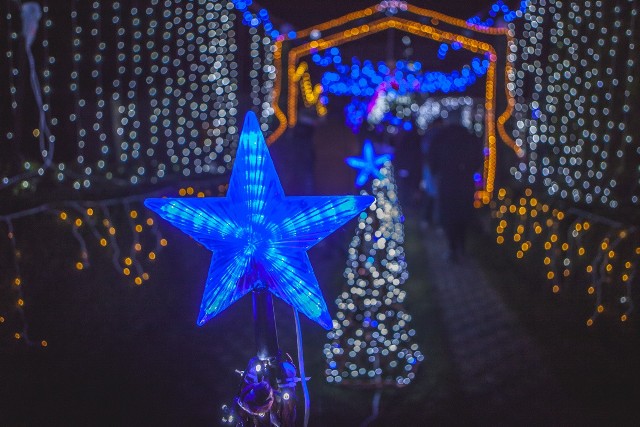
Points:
(265, 325)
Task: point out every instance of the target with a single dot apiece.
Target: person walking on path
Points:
(428, 183)
(454, 156)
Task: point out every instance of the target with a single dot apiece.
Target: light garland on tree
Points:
(370, 344)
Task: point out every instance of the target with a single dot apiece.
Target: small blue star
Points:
(258, 236)
(369, 164)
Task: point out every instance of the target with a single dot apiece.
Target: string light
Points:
(256, 20)
(162, 108)
(16, 287)
(378, 83)
(577, 121)
(580, 249)
(12, 41)
(499, 10)
(576, 64)
(403, 111)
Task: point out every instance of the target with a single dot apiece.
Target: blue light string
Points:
(499, 7)
(260, 19)
(362, 81)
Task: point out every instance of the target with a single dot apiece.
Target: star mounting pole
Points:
(264, 320)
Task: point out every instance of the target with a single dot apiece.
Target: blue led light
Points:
(255, 19)
(499, 6)
(365, 79)
(363, 82)
(258, 236)
(369, 164)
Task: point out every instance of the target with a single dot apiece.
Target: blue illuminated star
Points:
(369, 164)
(259, 237)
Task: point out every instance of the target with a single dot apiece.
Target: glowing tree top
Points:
(368, 164)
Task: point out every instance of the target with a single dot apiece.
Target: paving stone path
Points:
(500, 372)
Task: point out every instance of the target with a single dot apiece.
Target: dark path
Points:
(132, 356)
(499, 370)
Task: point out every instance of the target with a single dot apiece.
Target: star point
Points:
(259, 236)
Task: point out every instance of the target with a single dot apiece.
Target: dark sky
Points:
(305, 13)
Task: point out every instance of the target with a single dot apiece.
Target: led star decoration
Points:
(369, 164)
(259, 237)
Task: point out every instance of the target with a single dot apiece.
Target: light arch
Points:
(298, 76)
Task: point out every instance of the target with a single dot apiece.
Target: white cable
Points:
(303, 377)
(31, 14)
(375, 408)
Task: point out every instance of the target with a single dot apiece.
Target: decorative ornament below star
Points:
(369, 164)
(258, 236)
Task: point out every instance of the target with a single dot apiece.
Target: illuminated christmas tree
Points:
(371, 343)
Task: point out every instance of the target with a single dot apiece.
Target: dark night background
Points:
(124, 355)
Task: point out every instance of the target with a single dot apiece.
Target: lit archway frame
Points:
(297, 70)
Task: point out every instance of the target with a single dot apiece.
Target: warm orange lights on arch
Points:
(298, 77)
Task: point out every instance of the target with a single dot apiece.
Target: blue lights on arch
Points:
(498, 9)
(260, 19)
(258, 236)
(364, 82)
(364, 79)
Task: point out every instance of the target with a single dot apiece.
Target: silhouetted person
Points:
(454, 156)
(408, 167)
(428, 182)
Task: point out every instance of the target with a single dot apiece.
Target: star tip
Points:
(325, 321)
(367, 200)
(202, 319)
(325, 325)
(250, 119)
